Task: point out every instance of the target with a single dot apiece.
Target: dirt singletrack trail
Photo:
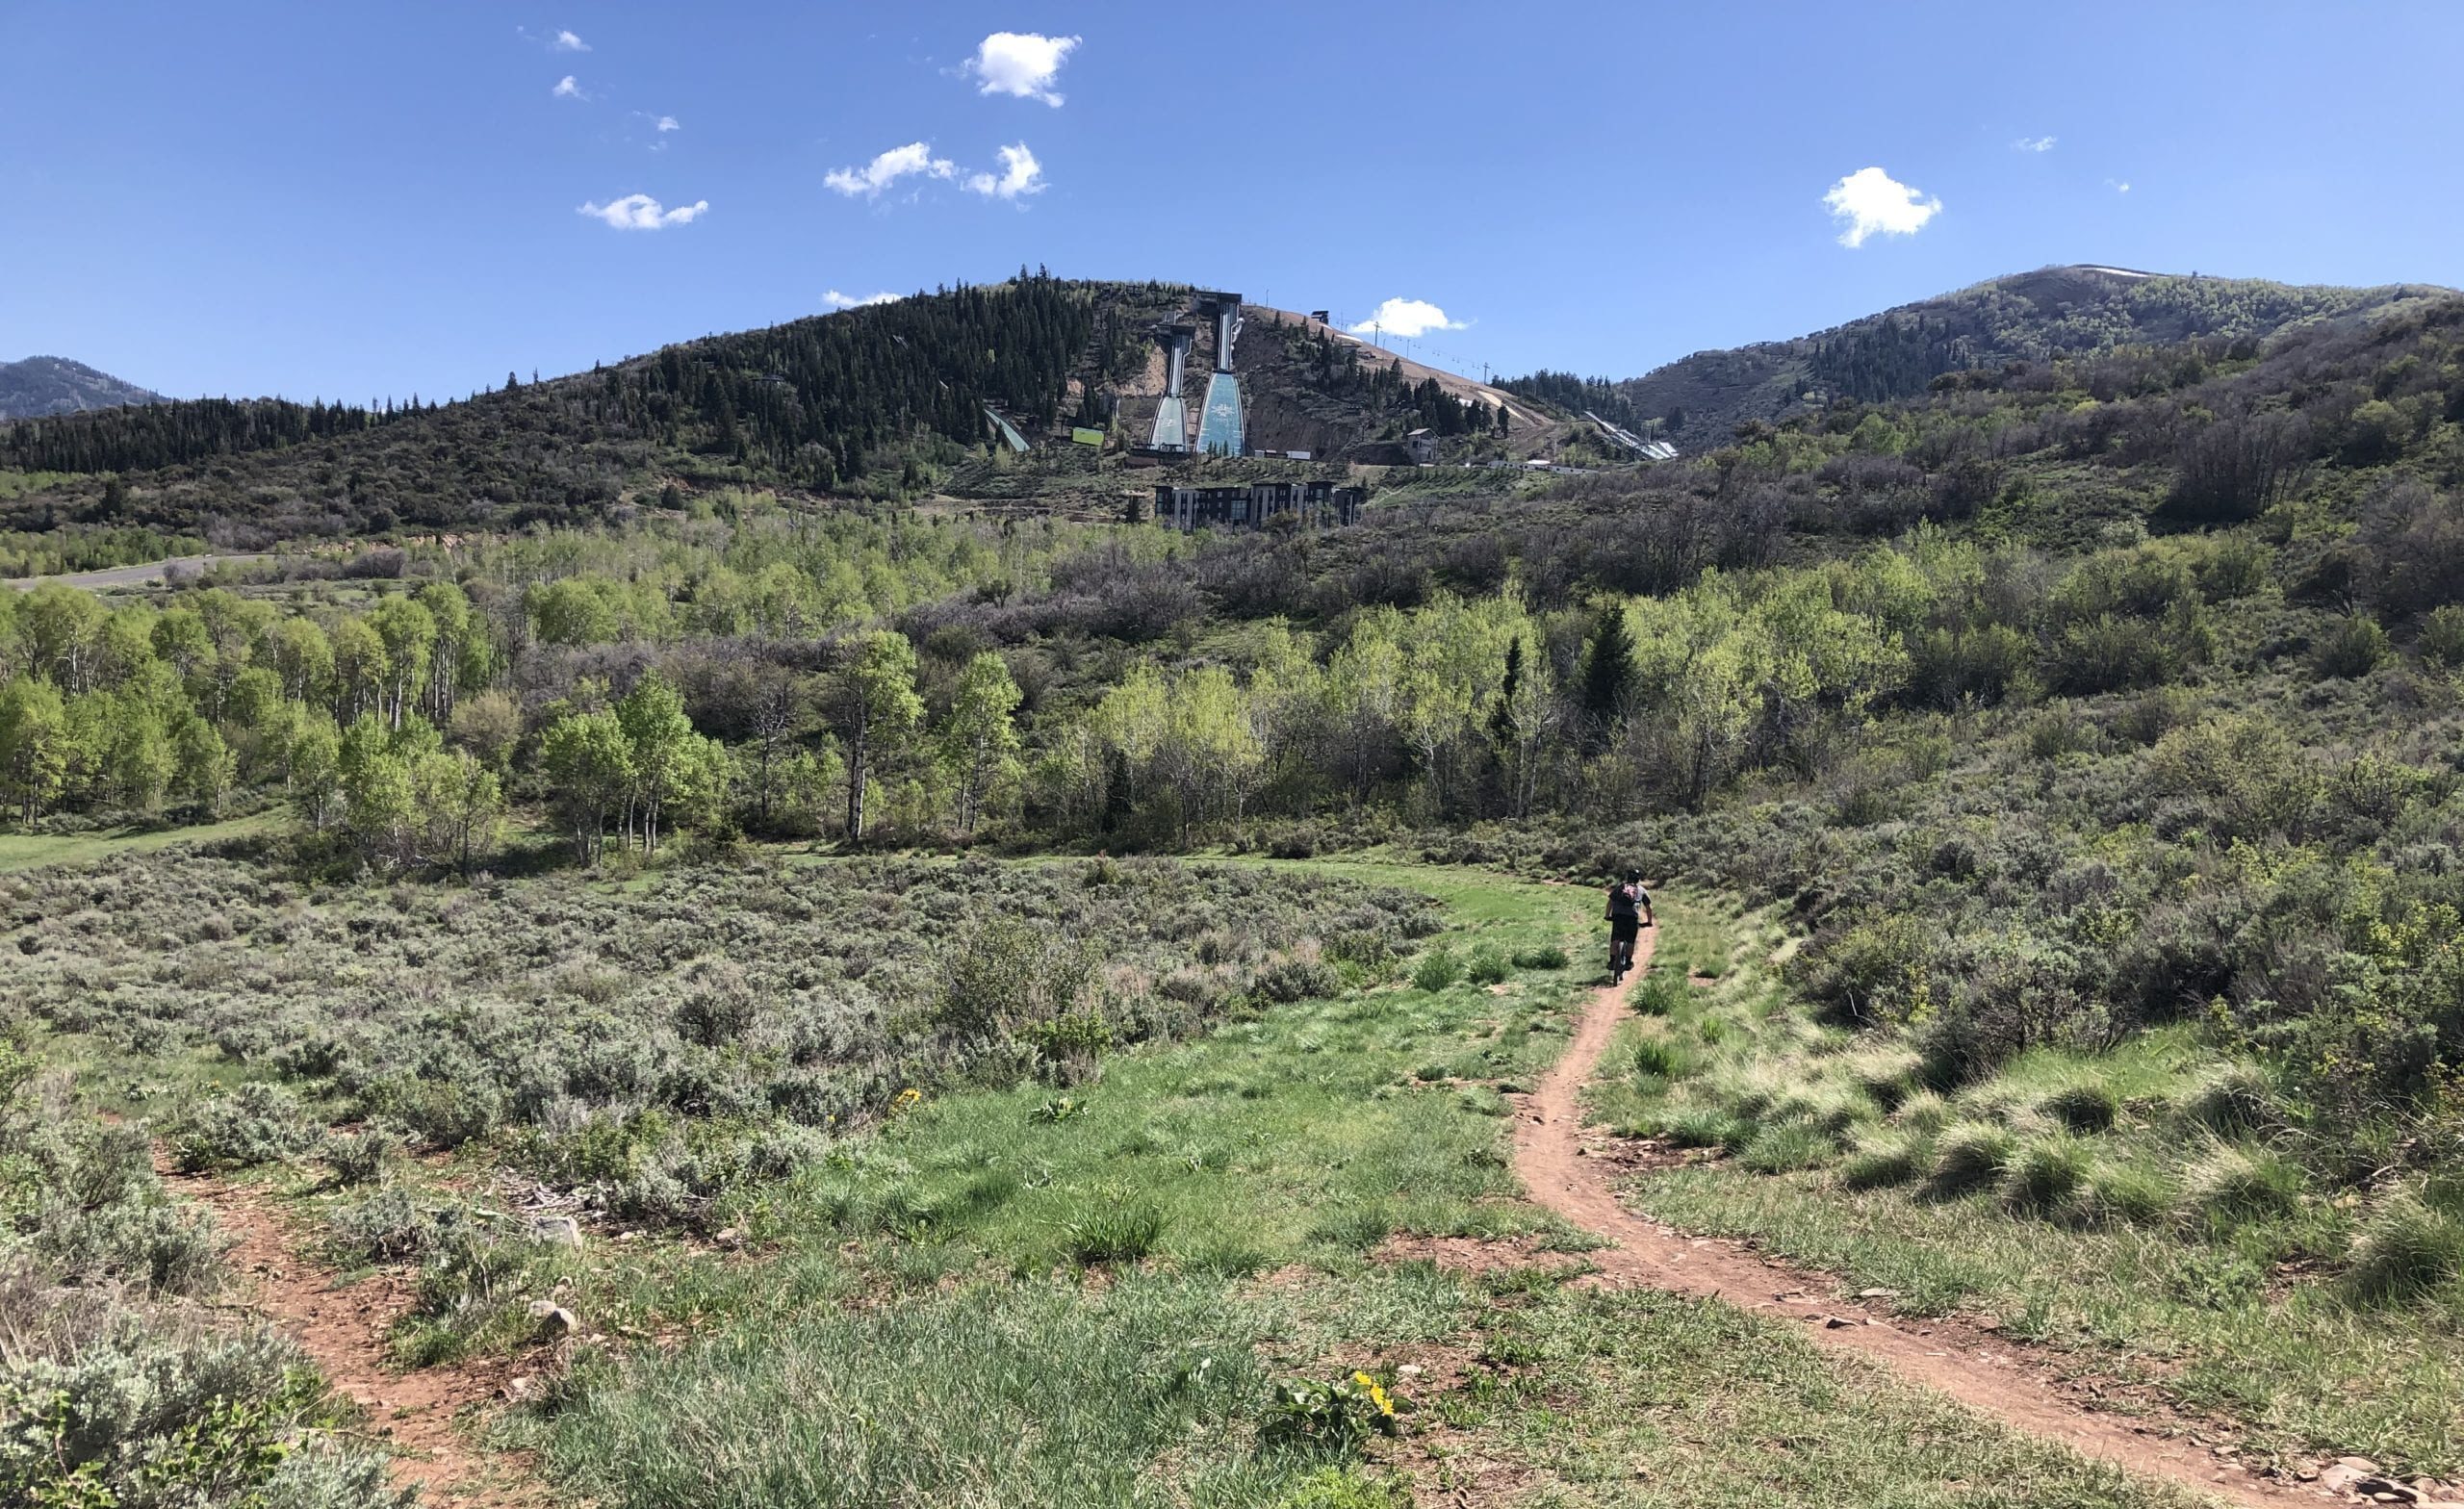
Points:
(1996, 1381)
(343, 1329)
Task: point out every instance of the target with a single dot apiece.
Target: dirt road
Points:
(1995, 1379)
(134, 575)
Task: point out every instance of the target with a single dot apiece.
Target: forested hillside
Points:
(868, 400)
(2033, 317)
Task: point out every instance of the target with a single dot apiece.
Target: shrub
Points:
(2442, 638)
(2355, 647)
(1882, 1161)
(362, 1156)
(2232, 1184)
(257, 1123)
(2084, 1108)
(2404, 1250)
(2045, 1175)
(1968, 1155)
(1291, 980)
(1549, 956)
(1120, 1229)
(1437, 969)
(143, 1240)
(715, 1003)
(1488, 967)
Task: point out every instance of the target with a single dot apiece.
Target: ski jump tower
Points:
(1221, 420)
(1171, 415)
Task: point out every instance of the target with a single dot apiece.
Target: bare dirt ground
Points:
(135, 575)
(343, 1329)
(1568, 1173)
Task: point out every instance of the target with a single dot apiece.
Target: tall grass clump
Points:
(2231, 1185)
(1662, 1056)
(1437, 969)
(2232, 1101)
(2045, 1174)
(1882, 1161)
(1661, 992)
(1970, 1156)
(2119, 1193)
(2085, 1109)
(1120, 1229)
(2405, 1251)
(1787, 1148)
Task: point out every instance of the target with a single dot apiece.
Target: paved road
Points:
(134, 575)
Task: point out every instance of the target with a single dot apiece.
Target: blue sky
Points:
(347, 200)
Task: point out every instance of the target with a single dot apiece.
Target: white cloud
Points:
(567, 88)
(567, 41)
(1023, 64)
(667, 123)
(2033, 145)
(1020, 174)
(640, 211)
(898, 163)
(1409, 318)
(837, 300)
(2118, 185)
(1871, 202)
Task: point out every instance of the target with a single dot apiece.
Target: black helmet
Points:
(1633, 876)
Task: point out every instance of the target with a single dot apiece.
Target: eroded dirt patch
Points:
(419, 1413)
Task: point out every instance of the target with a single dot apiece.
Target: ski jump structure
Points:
(1221, 421)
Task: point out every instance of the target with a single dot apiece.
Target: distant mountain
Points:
(45, 385)
(1699, 401)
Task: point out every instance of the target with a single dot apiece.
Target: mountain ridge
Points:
(38, 387)
(2067, 309)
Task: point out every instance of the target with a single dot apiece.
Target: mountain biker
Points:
(1629, 912)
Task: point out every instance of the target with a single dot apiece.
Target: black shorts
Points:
(1625, 931)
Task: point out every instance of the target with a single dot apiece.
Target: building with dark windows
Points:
(1254, 505)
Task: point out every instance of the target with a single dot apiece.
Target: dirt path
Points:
(343, 1329)
(2000, 1382)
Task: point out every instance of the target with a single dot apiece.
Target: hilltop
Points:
(42, 385)
(2078, 310)
(885, 402)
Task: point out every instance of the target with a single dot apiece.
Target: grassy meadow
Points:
(2135, 1205)
(1150, 1270)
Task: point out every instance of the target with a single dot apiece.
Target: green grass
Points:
(1014, 1294)
(2121, 1205)
(26, 850)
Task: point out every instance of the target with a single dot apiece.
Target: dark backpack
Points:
(1623, 904)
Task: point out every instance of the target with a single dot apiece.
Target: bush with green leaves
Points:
(257, 1123)
(1437, 969)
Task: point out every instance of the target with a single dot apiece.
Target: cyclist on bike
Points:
(1630, 913)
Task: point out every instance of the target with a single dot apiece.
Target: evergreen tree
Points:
(1607, 672)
